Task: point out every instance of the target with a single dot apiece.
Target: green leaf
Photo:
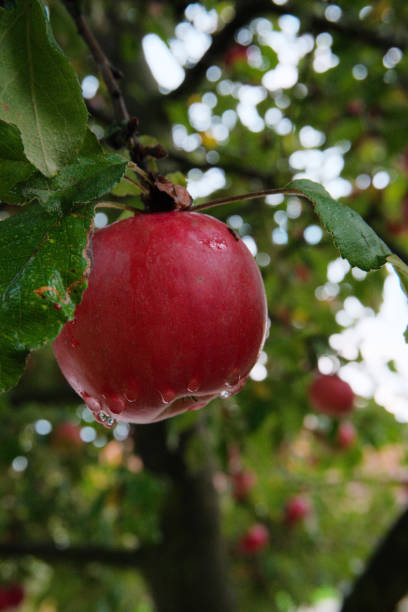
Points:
(14, 167)
(39, 92)
(355, 239)
(11, 146)
(11, 173)
(41, 283)
(401, 269)
(89, 177)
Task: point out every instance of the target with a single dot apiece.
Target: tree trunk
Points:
(187, 572)
(384, 581)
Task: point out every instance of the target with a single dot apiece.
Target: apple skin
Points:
(237, 53)
(66, 436)
(331, 395)
(11, 596)
(346, 435)
(296, 510)
(174, 315)
(255, 539)
(243, 481)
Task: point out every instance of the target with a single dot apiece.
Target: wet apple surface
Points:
(174, 315)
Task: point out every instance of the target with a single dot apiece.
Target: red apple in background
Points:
(331, 395)
(355, 107)
(11, 596)
(67, 436)
(297, 509)
(15, 595)
(237, 53)
(242, 483)
(174, 316)
(255, 539)
(346, 434)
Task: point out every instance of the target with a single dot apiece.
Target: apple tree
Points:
(283, 463)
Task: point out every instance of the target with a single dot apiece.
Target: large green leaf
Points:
(355, 239)
(39, 91)
(89, 177)
(41, 283)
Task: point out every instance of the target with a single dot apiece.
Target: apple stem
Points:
(139, 171)
(246, 196)
(136, 184)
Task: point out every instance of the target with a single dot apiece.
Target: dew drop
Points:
(116, 403)
(93, 404)
(167, 396)
(193, 386)
(105, 419)
(74, 343)
(233, 379)
(102, 417)
(225, 394)
(132, 392)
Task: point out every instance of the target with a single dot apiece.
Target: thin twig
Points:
(246, 196)
(115, 205)
(119, 105)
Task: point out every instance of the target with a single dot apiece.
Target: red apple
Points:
(3, 598)
(67, 436)
(15, 595)
(237, 53)
(255, 539)
(355, 107)
(297, 509)
(242, 483)
(11, 596)
(331, 395)
(346, 434)
(174, 315)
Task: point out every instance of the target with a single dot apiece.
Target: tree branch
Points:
(119, 105)
(110, 76)
(74, 554)
(246, 11)
(383, 583)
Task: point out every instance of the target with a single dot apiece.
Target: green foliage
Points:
(52, 122)
(356, 241)
(41, 284)
(100, 493)
(89, 177)
(14, 167)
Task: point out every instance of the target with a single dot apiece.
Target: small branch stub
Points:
(164, 195)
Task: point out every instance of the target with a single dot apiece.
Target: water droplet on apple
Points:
(167, 396)
(105, 419)
(116, 403)
(233, 379)
(193, 386)
(225, 394)
(101, 417)
(132, 392)
(93, 403)
(74, 343)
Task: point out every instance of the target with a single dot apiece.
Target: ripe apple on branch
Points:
(174, 315)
